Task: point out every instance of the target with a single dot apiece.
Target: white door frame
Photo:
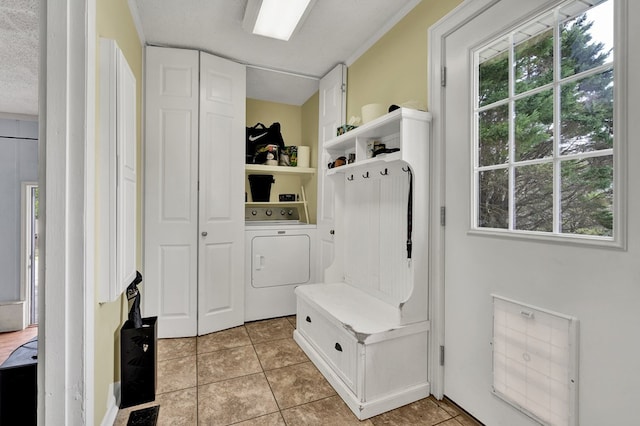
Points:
(67, 144)
(436, 99)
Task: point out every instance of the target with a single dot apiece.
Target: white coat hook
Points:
(350, 178)
(366, 175)
(386, 172)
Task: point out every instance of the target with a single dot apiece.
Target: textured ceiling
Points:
(334, 32)
(19, 56)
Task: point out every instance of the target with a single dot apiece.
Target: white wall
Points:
(18, 163)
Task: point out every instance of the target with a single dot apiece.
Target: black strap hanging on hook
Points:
(409, 212)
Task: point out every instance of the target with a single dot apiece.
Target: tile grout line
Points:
(265, 377)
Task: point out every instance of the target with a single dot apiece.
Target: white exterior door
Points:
(171, 198)
(596, 285)
(333, 92)
(221, 216)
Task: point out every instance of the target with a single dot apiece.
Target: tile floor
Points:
(256, 374)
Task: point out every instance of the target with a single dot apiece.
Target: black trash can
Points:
(138, 356)
(18, 386)
(260, 187)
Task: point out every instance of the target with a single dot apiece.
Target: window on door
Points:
(544, 125)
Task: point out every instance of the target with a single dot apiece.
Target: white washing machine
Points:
(280, 255)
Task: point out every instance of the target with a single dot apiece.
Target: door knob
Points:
(204, 233)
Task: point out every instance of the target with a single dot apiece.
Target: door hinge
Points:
(344, 87)
(443, 216)
(441, 355)
(198, 186)
(443, 77)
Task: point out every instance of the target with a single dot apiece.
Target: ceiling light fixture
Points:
(275, 18)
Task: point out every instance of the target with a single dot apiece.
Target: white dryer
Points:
(280, 255)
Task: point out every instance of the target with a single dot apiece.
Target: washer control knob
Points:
(268, 212)
(282, 212)
(254, 212)
(290, 212)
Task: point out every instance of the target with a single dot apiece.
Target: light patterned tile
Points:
(298, 384)
(423, 412)
(292, 320)
(450, 422)
(176, 348)
(175, 374)
(447, 406)
(177, 408)
(227, 364)
(279, 353)
(235, 400)
(274, 419)
(466, 420)
(273, 329)
(226, 339)
(328, 411)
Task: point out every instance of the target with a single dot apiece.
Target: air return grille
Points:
(534, 361)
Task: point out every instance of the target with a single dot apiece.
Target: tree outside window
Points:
(544, 140)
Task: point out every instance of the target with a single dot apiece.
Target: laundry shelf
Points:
(259, 168)
(384, 158)
(273, 203)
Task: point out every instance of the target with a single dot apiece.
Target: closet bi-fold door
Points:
(221, 209)
(171, 190)
(194, 186)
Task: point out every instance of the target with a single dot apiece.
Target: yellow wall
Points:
(289, 117)
(394, 70)
(113, 20)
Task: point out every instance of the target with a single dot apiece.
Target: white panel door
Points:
(598, 286)
(221, 215)
(333, 93)
(171, 179)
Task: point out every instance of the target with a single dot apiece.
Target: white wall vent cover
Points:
(535, 356)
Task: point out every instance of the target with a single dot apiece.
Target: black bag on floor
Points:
(258, 138)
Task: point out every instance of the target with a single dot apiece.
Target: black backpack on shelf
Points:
(259, 137)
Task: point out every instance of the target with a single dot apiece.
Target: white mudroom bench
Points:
(366, 327)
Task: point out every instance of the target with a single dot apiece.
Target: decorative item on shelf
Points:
(352, 158)
(340, 161)
(287, 197)
(372, 111)
(267, 155)
(344, 129)
(304, 153)
(351, 124)
(371, 147)
(383, 150)
(289, 156)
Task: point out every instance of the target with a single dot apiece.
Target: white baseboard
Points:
(13, 315)
(113, 402)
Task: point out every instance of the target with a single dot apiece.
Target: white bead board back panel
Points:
(375, 218)
(535, 355)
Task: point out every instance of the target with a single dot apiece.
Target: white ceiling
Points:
(19, 57)
(335, 31)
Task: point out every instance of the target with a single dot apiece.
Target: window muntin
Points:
(544, 125)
